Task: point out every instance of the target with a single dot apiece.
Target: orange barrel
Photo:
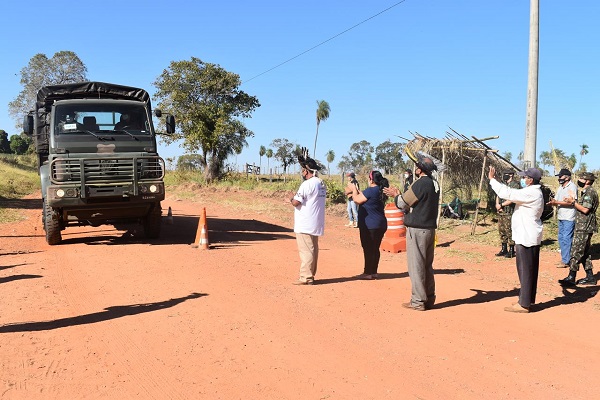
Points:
(395, 222)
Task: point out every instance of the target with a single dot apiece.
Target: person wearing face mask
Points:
(422, 199)
(585, 226)
(408, 179)
(527, 230)
(565, 214)
(505, 209)
(309, 217)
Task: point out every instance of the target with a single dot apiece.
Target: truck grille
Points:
(106, 170)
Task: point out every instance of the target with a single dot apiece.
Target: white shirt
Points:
(569, 190)
(529, 205)
(309, 215)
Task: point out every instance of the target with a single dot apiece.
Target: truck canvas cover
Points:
(88, 90)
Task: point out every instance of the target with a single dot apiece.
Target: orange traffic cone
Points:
(202, 232)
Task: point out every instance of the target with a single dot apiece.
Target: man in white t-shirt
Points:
(565, 214)
(309, 219)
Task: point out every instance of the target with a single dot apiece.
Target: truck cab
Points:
(97, 155)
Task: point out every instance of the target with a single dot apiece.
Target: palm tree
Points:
(261, 152)
(269, 154)
(322, 115)
(583, 152)
(330, 155)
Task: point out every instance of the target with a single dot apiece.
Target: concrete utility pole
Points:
(532, 85)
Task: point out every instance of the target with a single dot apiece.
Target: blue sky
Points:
(422, 66)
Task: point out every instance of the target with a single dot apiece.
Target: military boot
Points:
(511, 252)
(569, 280)
(589, 278)
(503, 251)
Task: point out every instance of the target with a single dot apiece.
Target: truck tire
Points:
(51, 226)
(152, 222)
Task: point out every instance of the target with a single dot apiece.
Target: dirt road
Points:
(108, 315)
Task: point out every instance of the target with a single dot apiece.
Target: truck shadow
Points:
(222, 233)
(24, 204)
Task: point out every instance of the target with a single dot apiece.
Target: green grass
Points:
(20, 178)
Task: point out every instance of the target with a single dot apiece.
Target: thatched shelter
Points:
(466, 160)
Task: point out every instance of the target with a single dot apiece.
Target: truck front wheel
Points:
(152, 222)
(51, 226)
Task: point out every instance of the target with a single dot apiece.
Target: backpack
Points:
(548, 209)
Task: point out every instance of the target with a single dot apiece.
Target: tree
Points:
(507, 155)
(330, 155)
(584, 150)
(4, 142)
(261, 153)
(269, 154)
(285, 151)
(63, 67)
(208, 104)
(19, 144)
(189, 162)
(359, 157)
(322, 115)
(388, 156)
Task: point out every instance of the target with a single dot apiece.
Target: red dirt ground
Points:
(108, 315)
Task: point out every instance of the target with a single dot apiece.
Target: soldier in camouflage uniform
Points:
(505, 210)
(585, 226)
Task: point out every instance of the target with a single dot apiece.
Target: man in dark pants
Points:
(585, 226)
(422, 198)
(526, 231)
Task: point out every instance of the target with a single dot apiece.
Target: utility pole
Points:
(532, 85)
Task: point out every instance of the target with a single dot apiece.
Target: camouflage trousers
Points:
(504, 229)
(581, 251)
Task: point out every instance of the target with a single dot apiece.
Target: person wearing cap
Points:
(585, 226)
(408, 179)
(309, 219)
(422, 199)
(505, 210)
(527, 231)
(352, 207)
(565, 214)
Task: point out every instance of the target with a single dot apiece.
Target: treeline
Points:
(16, 144)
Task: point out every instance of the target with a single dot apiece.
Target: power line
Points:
(325, 41)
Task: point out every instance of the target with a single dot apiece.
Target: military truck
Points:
(97, 157)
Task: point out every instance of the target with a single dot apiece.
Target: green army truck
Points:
(97, 155)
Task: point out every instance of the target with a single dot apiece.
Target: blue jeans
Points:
(565, 237)
(353, 211)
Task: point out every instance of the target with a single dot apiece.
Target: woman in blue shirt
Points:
(372, 223)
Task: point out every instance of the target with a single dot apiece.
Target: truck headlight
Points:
(153, 189)
(60, 193)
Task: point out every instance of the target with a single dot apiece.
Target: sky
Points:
(420, 66)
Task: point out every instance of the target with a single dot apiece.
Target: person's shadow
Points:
(480, 296)
(571, 295)
(107, 314)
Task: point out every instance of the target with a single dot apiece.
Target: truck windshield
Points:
(101, 119)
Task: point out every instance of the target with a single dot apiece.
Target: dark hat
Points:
(408, 170)
(588, 176)
(426, 164)
(351, 175)
(563, 171)
(532, 173)
(311, 164)
(508, 172)
(306, 162)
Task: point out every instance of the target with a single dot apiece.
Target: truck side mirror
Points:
(158, 112)
(28, 125)
(170, 122)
